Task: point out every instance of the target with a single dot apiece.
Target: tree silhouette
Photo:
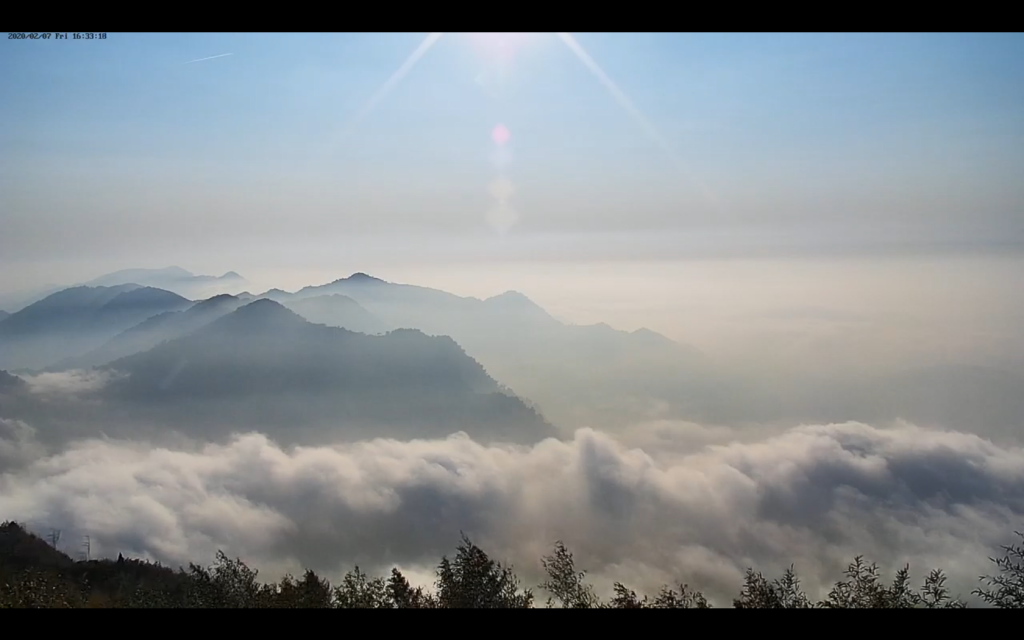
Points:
(402, 596)
(1006, 591)
(564, 582)
(474, 581)
(359, 591)
(783, 593)
(34, 575)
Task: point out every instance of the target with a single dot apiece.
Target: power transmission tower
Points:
(54, 537)
(87, 549)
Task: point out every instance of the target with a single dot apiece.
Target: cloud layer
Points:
(690, 512)
(67, 383)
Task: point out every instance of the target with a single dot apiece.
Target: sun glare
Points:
(499, 46)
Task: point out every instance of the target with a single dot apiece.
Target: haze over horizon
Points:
(822, 233)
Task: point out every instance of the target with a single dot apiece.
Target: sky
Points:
(155, 148)
(738, 192)
(810, 208)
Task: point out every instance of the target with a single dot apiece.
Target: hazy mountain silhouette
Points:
(263, 366)
(76, 320)
(153, 331)
(277, 295)
(337, 311)
(13, 301)
(158, 277)
(10, 382)
(3, 315)
(175, 279)
(577, 374)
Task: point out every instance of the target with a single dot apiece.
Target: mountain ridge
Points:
(264, 365)
(75, 320)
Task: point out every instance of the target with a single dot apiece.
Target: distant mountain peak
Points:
(137, 274)
(512, 296)
(143, 295)
(10, 381)
(231, 275)
(215, 301)
(360, 277)
(263, 312)
(518, 303)
(264, 305)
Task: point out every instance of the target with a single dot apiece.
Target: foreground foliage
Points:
(34, 574)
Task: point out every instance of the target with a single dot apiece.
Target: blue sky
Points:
(118, 143)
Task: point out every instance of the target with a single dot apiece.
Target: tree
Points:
(311, 592)
(861, 590)
(230, 584)
(685, 598)
(37, 589)
(358, 591)
(1006, 591)
(474, 581)
(625, 598)
(564, 583)
(401, 594)
(935, 595)
(782, 593)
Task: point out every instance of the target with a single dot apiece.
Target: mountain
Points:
(175, 279)
(157, 277)
(9, 382)
(277, 295)
(76, 320)
(579, 375)
(140, 276)
(153, 331)
(264, 367)
(337, 311)
(12, 301)
(3, 315)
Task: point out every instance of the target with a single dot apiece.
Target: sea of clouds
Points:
(665, 503)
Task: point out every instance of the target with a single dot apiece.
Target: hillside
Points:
(9, 382)
(263, 366)
(32, 574)
(153, 331)
(337, 311)
(73, 321)
(578, 375)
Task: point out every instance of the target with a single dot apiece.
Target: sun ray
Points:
(627, 104)
(395, 78)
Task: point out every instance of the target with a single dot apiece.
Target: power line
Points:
(54, 537)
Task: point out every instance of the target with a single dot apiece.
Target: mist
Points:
(766, 313)
(665, 510)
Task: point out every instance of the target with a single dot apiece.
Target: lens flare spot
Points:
(500, 134)
(502, 218)
(502, 189)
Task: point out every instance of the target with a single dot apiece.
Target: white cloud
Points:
(63, 383)
(813, 495)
